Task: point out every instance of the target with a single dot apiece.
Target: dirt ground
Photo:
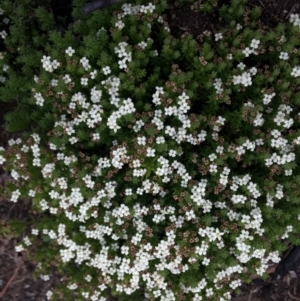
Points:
(16, 271)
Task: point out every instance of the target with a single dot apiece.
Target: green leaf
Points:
(46, 238)
(17, 121)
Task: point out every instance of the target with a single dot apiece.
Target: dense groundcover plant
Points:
(155, 163)
(24, 30)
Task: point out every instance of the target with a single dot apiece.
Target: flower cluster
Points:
(173, 183)
(48, 65)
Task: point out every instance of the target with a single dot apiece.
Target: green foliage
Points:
(185, 152)
(17, 121)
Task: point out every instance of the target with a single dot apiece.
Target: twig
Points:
(10, 280)
(183, 28)
(261, 3)
(250, 296)
(292, 296)
(22, 279)
(290, 12)
(10, 209)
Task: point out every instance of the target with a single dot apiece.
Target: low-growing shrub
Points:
(158, 163)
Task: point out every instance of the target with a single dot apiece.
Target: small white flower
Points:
(73, 140)
(93, 74)
(122, 64)
(5, 68)
(172, 153)
(253, 71)
(296, 71)
(66, 78)
(218, 36)
(239, 26)
(247, 51)
(267, 98)
(84, 81)
(288, 172)
(19, 248)
(150, 152)
(3, 34)
(229, 56)
(128, 191)
(49, 295)
(241, 66)
(55, 64)
(120, 24)
(294, 18)
(150, 7)
(254, 43)
(284, 55)
(2, 159)
(70, 51)
(206, 261)
(106, 70)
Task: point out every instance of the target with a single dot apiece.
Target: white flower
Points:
(122, 64)
(253, 70)
(254, 43)
(229, 56)
(19, 248)
(73, 140)
(143, 9)
(150, 7)
(49, 295)
(239, 26)
(5, 68)
(93, 74)
(70, 51)
(294, 18)
(284, 55)
(128, 191)
(267, 98)
(150, 152)
(160, 140)
(206, 261)
(84, 81)
(55, 64)
(246, 79)
(217, 234)
(190, 215)
(2, 159)
(247, 51)
(39, 99)
(172, 153)
(141, 140)
(120, 24)
(3, 34)
(106, 70)
(15, 196)
(218, 36)
(288, 172)
(296, 71)
(213, 168)
(241, 66)
(115, 127)
(6, 21)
